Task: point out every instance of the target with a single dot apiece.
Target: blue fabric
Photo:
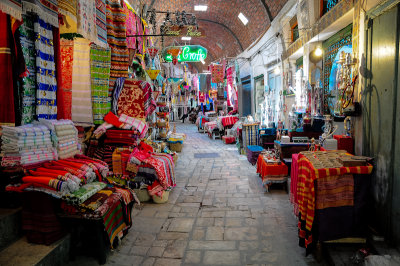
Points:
(255, 148)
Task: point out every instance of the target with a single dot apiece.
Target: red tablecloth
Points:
(229, 120)
(270, 172)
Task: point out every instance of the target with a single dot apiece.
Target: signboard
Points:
(189, 53)
(184, 31)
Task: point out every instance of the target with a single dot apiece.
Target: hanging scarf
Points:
(12, 8)
(81, 90)
(47, 10)
(116, 38)
(130, 27)
(100, 73)
(64, 93)
(101, 22)
(46, 105)
(86, 10)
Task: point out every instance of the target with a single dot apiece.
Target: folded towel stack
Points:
(26, 145)
(65, 137)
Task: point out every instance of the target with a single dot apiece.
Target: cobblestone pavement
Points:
(218, 214)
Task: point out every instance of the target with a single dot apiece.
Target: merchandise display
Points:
(189, 132)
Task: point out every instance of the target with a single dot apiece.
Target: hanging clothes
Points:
(64, 92)
(7, 113)
(27, 36)
(100, 59)
(46, 104)
(12, 8)
(81, 85)
(130, 27)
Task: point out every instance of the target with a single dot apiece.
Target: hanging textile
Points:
(149, 102)
(139, 31)
(46, 104)
(7, 114)
(67, 8)
(119, 85)
(116, 38)
(131, 99)
(101, 22)
(100, 59)
(29, 81)
(217, 73)
(64, 92)
(81, 92)
(130, 27)
(47, 10)
(87, 19)
(12, 8)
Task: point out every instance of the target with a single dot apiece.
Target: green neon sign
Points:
(190, 53)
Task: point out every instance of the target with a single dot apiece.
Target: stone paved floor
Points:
(218, 214)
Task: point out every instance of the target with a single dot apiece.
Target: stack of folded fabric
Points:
(130, 122)
(28, 144)
(64, 136)
(121, 137)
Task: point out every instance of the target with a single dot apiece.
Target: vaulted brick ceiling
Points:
(226, 36)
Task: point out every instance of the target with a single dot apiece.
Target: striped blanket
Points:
(116, 38)
(101, 22)
(100, 59)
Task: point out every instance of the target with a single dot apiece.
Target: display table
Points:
(271, 173)
(333, 202)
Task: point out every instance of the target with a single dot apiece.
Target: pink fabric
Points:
(294, 174)
(130, 27)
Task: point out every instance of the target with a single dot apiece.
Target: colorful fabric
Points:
(137, 124)
(81, 85)
(306, 192)
(7, 114)
(64, 92)
(334, 191)
(116, 38)
(250, 134)
(113, 219)
(130, 27)
(12, 8)
(84, 193)
(98, 199)
(149, 102)
(294, 177)
(46, 95)
(118, 87)
(86, 10)
(131, 100)
(229, 120)
(100, 73)
(217, 73)
(67, 8)
(101, 22)
(27, 36)
(47, 10)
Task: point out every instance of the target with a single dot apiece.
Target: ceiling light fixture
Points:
(186, 38)
(200, 8)
(277, 70)
(243, 18)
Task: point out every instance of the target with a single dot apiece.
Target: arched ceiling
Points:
(226, 36)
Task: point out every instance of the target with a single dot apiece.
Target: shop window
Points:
(327, 5)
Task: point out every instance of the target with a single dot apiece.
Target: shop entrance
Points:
(381, 118)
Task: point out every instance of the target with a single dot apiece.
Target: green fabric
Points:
(86, 191)
(27, 37)
(100, 59)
